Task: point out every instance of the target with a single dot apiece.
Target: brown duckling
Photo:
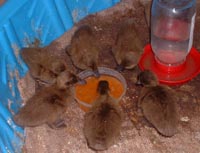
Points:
(128, 46)
(83, 49)
(147, 10)
(102, 123)
(158, 103)
(43, 66)
(49, 104)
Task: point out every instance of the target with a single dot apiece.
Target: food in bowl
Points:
(86, 94)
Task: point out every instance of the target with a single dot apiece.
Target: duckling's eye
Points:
(41, 69)
(139, 78)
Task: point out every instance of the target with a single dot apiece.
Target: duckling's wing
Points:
(38, 110)
(159, 109)
(152, 110)
(102, 126)
(33, 113)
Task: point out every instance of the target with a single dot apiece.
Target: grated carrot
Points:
(88, 92)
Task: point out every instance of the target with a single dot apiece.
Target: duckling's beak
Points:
(76, 79)
(81, 81)
(96, 73)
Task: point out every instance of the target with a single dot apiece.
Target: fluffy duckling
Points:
(43, 66)
(83, 49)
(158, 104)
(147, 10)
(102, 123)
(128, 47)
(49, 104)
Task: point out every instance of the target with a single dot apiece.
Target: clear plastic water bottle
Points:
(172, 26)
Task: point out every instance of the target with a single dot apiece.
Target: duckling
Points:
(158, 104)
(83, 49)
(147, 10)
(43, 66)
(128, 46)
(102, 123)
(49, 104)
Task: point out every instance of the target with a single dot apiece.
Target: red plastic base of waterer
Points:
(171, 75)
